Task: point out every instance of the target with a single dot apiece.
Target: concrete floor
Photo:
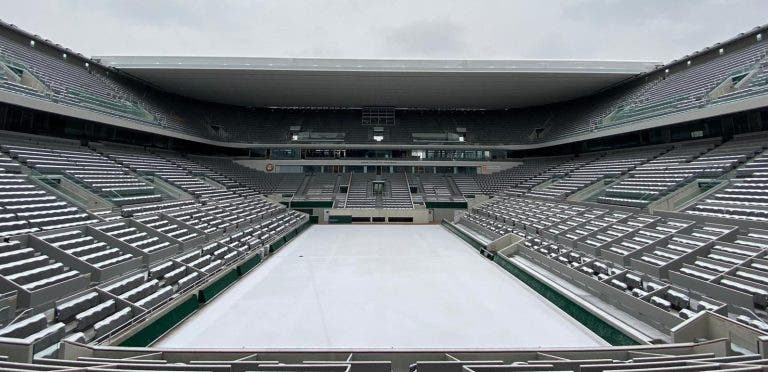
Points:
(366, 286)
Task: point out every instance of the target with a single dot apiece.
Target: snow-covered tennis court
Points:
(369, 286)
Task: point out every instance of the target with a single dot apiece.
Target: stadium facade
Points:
(632, 196)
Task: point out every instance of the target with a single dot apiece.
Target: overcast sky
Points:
(647, 30)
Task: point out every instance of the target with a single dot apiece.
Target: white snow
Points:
(368, 286)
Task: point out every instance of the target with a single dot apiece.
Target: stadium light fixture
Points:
(378, 138)
(295, 137)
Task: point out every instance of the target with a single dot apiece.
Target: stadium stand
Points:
(659, 260)
(399, 195)
(602, 167)
(95, 172)
(519, 178)
(466, 184)
(659, 240)
(360, 194)
(438, 188)
(91, 88)
(744, 196)
(687, 90)
(707, 356)
(92, 275)
(28, 207)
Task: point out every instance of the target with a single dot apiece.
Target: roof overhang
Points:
(349, 83)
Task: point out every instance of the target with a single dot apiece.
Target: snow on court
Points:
(379, 286)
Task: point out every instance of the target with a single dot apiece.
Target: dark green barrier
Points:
(339, 219)
(274, 247)
(600, 327)
(246, 266)
(312, 204)
(207, 293)
(445, 205)
(164, 323)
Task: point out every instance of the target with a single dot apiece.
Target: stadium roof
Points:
(446, 84)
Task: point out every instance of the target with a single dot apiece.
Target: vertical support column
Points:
(753, 121)
(727, 127)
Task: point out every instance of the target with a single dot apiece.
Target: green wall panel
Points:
(164, 323)
(209, 292)
(445, 205)
(339, 219)
(312, 204)
(248, 265)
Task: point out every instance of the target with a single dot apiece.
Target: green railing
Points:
(116, 106)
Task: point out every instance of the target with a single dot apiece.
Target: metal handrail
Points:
(19, 317)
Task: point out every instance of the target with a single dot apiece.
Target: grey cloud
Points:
(657, 30)
(423, 39)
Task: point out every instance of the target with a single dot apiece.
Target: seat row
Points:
(95, 172)
(714, 258)
(26, 207)
(744, 197)
(96, 313)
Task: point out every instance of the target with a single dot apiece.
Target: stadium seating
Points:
(694, 87)
(95, 172)
(515, 178)
(398, 193)
(706, 356)
(711, 257)
(466, 184)
(688, 89)
(438, 188)
(259, 181)
(744, 196)
(88, 274)
(592, 168)
(26, 207)
(360, 193)
(145, 163)
(679, 167)
(97, 239)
